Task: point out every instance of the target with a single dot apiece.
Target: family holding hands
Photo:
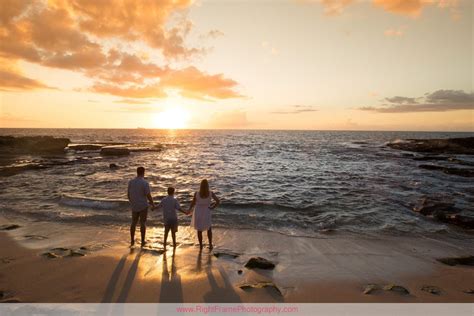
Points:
(139, 195)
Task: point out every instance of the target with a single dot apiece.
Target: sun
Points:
(172, 118)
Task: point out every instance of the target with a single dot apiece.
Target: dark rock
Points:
(259, 263)
(429, 206)
(470, 291)
(32, 144)
(439, 146)
(431, 289)
(466, 261)
(462, 172)
(85, 147)
(9, 227)
(260, 285)
(370, 288)
(396, 288)
(113, 166)
(462, 221)
(239, 272)
(13, 170)
(114, 151)
(62, 249)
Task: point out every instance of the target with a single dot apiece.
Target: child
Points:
(170, 219)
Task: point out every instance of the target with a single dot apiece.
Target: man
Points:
(139, 195)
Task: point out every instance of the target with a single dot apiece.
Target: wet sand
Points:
(101, 267)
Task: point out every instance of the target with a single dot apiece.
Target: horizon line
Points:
(236, 129)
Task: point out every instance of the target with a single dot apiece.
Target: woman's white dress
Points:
(202, 213)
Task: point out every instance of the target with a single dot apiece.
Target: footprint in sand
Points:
(35, 237)
(6, 297)
(61, 252)
(9, 227)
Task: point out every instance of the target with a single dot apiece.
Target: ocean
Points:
(297, 183)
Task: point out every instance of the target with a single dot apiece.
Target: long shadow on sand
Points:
(217, 294)
(129, 280)
(171, 290)
(112, 285)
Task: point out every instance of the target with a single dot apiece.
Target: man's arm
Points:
(128, 191)
(150, 199)
(148, 195)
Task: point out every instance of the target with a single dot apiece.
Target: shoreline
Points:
(336, 269)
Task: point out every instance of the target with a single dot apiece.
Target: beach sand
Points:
(336, 268)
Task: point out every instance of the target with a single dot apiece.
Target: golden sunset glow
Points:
(171, 118)
(332, 65)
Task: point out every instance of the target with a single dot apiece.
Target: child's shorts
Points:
(172, 224)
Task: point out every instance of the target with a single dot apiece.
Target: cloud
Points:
(413, 8)
(111, 45)
(131, 101)
(215, 34)
(394, 32)
(331, 7)
(13, 80)
(198, 85)
(438, 101)
(297, 109)
(8, 118)
(136, 109)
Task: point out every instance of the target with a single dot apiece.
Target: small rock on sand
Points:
(50, 255)
(225, 253)
(396, 288)
(260, 285)
(260, 263)
(370, 288)
(73, 253)
(9, 227)
(431, 289)
(239, 272)
(470, 291)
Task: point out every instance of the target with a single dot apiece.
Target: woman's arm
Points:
(215, 199)
(193, 203)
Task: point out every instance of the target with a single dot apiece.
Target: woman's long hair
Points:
(204, 189)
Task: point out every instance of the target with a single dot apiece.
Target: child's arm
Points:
(179, 208)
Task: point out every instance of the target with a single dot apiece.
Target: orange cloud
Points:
(11, 79)
(97, 39)
(198, 85)
(413, 8)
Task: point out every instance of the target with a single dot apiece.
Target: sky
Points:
(285, 64)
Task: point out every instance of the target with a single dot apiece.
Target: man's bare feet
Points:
(143, 244)
(132, 243)
(210, 247)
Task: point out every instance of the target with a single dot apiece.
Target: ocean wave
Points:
(93, 203)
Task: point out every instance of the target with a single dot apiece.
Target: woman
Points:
(201, 203)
